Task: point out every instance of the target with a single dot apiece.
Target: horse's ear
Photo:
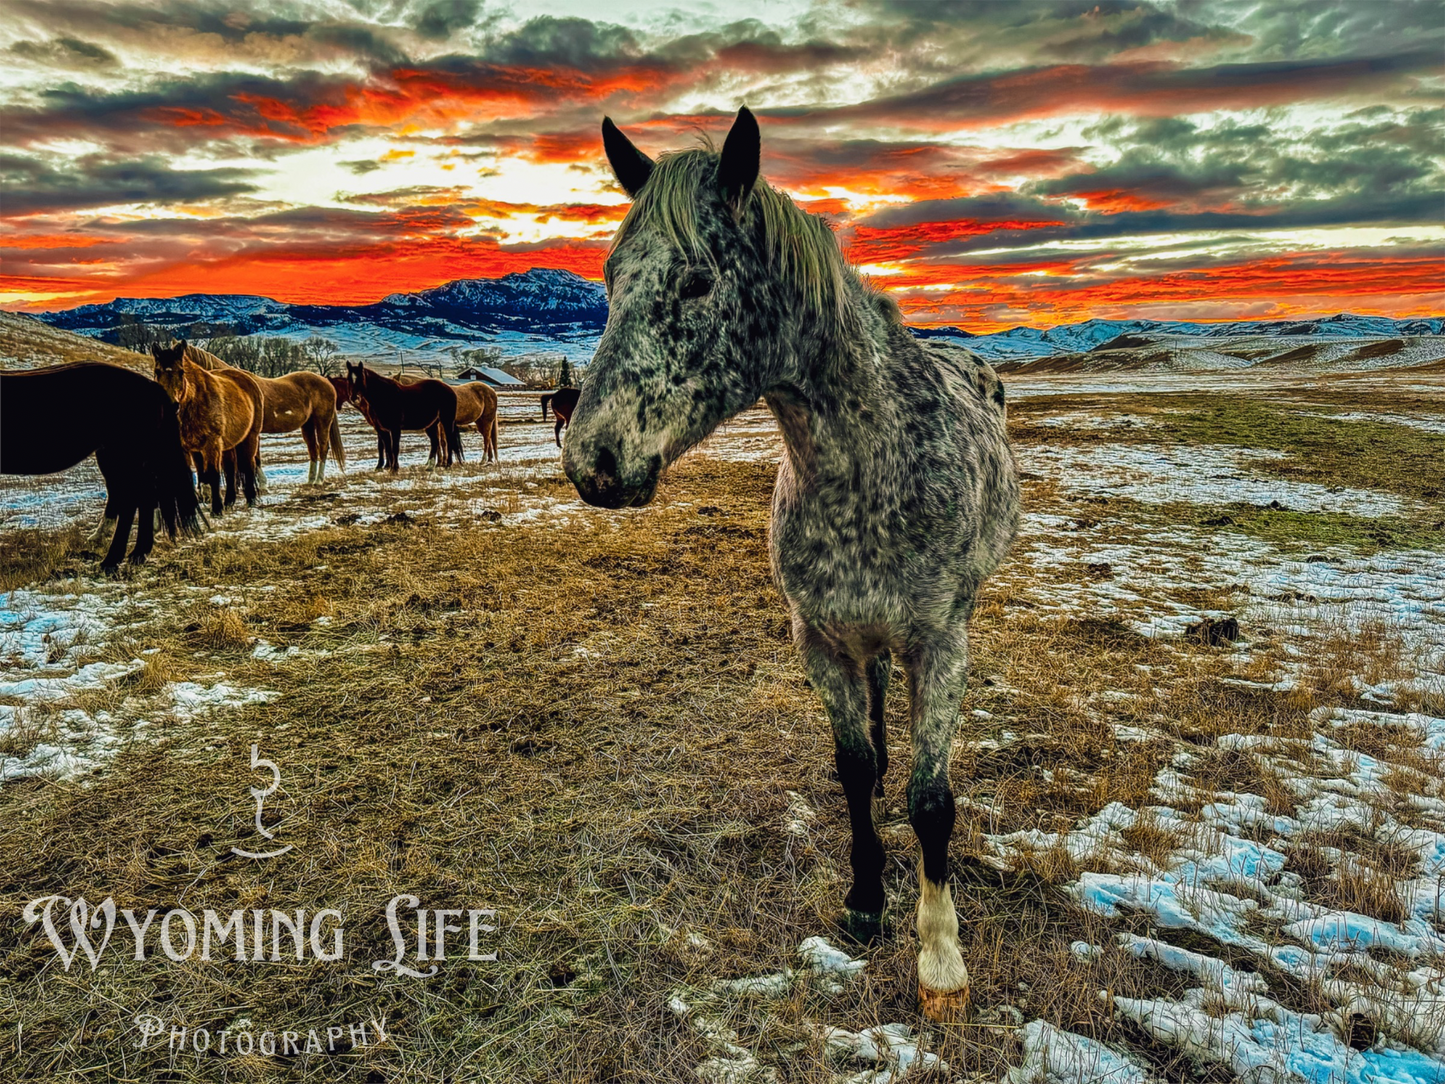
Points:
(631, 166)
(156, 351)
(737, 170)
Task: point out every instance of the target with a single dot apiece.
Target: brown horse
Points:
(564, 402)
(220, 411)
(476, 402)
(301, 400)
(392, 407)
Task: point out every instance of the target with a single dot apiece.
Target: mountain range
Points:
(552, 310)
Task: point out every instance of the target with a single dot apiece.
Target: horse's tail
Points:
(338, 450)
(454, 442)
(448, 412)
(545, 400)
(175, 487)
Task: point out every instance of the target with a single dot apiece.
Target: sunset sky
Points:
(991, 164)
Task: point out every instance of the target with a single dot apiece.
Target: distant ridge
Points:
(1027, 342)
(559, 310)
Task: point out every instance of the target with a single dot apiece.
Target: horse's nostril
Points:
(606, 463)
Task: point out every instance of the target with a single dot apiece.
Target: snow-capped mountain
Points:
(546, 309)
(532, 310)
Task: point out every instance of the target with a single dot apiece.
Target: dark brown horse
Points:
(564, 402)
(220, 411)
(300, 400)
(51, 419)
(346, 393)
(392, 407)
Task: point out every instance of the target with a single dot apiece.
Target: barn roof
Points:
(491, 376)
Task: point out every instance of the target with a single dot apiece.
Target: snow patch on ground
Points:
(874, 1055)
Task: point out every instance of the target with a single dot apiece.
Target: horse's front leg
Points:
(105, 529)
(937, 670)
(381, 445)
(838, 681)
(308, 434)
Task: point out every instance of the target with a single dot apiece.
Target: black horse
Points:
(51, 419)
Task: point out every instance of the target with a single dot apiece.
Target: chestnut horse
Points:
(391, 407)
(51, 419)
(564, 402)
(476, 402)
(220, 411)
(301, 400)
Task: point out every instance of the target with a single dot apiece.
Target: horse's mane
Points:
(801, 246)
(204, 358)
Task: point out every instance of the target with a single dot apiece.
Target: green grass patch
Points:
(1296, 532)
(1359, 454)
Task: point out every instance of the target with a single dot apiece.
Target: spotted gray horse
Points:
(897, 496)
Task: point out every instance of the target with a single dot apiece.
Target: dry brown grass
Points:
(1354, 871)
(26, 342)
(589, 730)
(593, 728)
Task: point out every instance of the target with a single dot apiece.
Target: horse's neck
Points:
(832, 404)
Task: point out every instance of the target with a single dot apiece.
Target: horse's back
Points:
(52, 418)
(294, 399)
(967, 435)
(564, 402)
(474, 402)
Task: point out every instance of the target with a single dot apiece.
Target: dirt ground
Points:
(1202, 827)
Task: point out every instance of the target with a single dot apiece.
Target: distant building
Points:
(495, 377)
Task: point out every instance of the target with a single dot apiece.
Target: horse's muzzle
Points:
(603, 484)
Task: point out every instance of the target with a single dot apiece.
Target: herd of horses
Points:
(201, 414)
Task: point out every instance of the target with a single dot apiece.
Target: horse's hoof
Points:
(113, 571)
(943, 1008)
(137, 558)
(861, 927)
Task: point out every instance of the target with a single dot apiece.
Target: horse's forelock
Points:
(801, 247)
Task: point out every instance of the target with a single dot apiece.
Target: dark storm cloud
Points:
(33, 186)
(1145, 88)
(995, 207)
(1171, 161)
(214, 30)
(440, 19)
(177, 111)
(1406, 209)
(65, 52)
(1316, 29)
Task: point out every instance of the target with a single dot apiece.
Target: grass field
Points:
(1218, 855)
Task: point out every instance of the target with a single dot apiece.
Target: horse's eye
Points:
(694, 284)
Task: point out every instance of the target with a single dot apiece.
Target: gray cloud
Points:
(34, 186)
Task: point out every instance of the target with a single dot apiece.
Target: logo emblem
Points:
(258, 762)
